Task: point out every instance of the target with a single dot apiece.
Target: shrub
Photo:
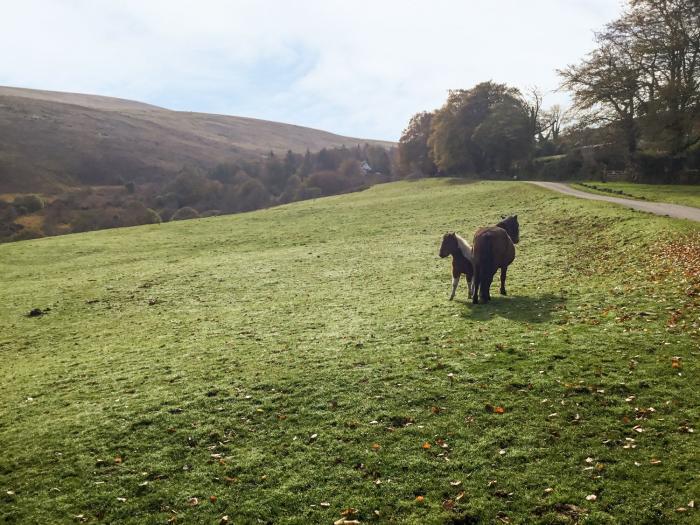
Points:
(8, 212)
(291, 190)
(152, 216)
(27, 234)
(652, 167)
(99, 219)
(135, 213)
(251, 195)
(330, 182)
(310, 192)
(167, 200)
(184, 214)
(32, 203)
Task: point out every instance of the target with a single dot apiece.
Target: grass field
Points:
(302, 365)
(687, 195)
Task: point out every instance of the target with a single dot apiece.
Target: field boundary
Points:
(658, 208)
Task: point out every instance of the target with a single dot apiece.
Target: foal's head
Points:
(510, 224)
(449, 244)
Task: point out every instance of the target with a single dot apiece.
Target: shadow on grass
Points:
(526, 309)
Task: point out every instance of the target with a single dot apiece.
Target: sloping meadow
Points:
(302, 364)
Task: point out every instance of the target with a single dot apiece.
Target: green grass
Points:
(304, 354)
(687, 195)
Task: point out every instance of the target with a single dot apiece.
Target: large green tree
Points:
(414, 152)
(466, 130)
(644, 74)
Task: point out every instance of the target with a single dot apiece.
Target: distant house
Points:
(365, 167)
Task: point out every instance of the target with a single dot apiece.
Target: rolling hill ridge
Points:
(50, 140)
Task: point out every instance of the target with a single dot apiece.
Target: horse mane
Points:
(508, 226)
(464, 248)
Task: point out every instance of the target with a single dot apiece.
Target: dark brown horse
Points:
(494, 248)
(461, 252)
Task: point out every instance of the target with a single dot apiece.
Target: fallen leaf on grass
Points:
(499, 410)
(350, 511)
(118, 460)
(224, 520)
(676, 362)
(448, 504)
(325, 504)
(420, 499)
(121, 499)
(455, 483)
(376, 447)
(426, 445)
(655, 462)
(548, 490)
(213, 499)
(193, 502)
(591, 497)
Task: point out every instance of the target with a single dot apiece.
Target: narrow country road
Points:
(659, 208)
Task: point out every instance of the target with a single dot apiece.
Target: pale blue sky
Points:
(358, 68)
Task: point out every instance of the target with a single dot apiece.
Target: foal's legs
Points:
(504, 269)
(455, 282)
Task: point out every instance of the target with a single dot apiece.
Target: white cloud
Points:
(360, 68)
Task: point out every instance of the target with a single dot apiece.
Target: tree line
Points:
(636, 109)
(240, 186)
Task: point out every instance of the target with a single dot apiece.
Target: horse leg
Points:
(504, 269)
(455, 282)
(475, 285)
(486, 287)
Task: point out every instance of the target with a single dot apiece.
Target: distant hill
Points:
(50, 140)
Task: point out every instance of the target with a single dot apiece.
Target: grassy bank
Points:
(687, 195)
(302, 363)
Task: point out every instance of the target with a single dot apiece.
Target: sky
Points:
(353, 67)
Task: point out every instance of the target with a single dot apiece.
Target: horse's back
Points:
(496, 239)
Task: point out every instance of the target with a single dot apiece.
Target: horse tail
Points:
(486, 269)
